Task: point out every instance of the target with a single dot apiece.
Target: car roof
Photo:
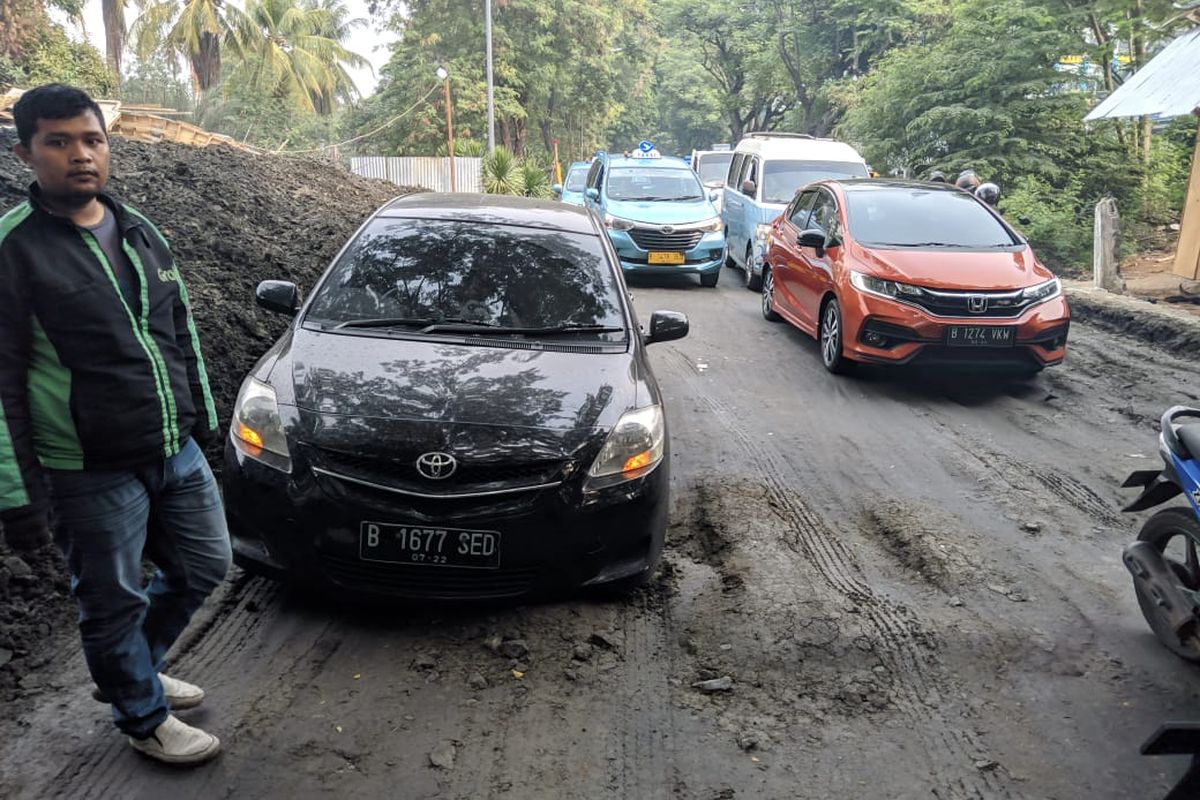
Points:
(797, 146)
(664, 162)
(495, 209)
(884, 184)
(578, 165)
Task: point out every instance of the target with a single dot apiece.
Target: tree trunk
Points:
(113, 12)
(20, 21)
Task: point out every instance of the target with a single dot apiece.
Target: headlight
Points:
(710, 225)
(872, 285)
(257, 428)
(633, 449)
(1043, 291)
(616, 223)
(761, 232)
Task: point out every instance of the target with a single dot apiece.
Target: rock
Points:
(751, 739)
(726, 648)
(691, 647)
(477, 681)
(514, 648)
(998, 588)
(955, 602)
(985, 765)
(582, 652)
(1016, 595)
(493, 643)
(17, 566)
(1032, 527)
(442, 756)
(6, 656)
(602, 640)
(571, 674)
(722, 684)
(1173, 227)
(425, 661)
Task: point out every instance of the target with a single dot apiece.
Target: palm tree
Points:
(113, 12)
(296, 51)
(192, 29)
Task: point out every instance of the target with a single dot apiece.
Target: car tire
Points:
(830, 338)
(768, 292)
(753, 282)
(709, 280)
(729, 262)
(622, 588)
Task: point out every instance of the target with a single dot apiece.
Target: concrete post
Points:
(1106, 247)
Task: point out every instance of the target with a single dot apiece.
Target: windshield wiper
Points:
(545, 330)
(409, 322)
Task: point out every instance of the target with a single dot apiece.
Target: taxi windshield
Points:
(576, 179)
(651, 183)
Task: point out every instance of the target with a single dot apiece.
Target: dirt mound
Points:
(232, 219)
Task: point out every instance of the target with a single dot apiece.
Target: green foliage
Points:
(534, 181)
(11, 73)
(1059, 226)
(466, 148)
(54, 57)
(159, 82)
(502, 173)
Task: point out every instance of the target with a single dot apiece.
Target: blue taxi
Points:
(660, 218)
(571, 189)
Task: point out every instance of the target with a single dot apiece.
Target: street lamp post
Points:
(444, 75)
(491, 102)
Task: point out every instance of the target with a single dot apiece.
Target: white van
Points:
(766, 172)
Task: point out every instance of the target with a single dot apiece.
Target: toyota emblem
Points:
(436, 466)
(667, 229)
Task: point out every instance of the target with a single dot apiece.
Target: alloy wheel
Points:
(831, 335)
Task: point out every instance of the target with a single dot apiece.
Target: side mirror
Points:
(666, 326)
(749, 187)
(712, 197)
(811, 238)
(282, 297)
(557, 189)
(592, 194)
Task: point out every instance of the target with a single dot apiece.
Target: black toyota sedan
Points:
(462, 409)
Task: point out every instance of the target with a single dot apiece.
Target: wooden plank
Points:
(1187, 254)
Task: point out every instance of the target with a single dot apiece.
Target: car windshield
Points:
(781, 179)
(714, 166)
(576, 180)
(914, 217)
(653, 183)
(471, 274)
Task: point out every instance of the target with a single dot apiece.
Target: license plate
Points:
(665, 258)
(429, 545)
(980, 336)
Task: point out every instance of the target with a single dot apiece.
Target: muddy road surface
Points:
(889, 585)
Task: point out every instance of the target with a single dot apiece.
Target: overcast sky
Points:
(367, 42)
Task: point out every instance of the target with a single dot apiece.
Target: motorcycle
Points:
(1166, 570)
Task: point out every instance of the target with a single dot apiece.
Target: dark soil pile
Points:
(232, 219)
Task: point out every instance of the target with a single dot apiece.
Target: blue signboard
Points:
(645, 145)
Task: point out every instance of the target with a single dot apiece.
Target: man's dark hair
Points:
(52, 101)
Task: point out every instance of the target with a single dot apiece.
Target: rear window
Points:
(714, 167)
(576, 179)
(653, 183)
(782, 179)
(486, 274)
(913, 217)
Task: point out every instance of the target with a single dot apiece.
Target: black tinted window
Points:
(913, 217)
(490, 274)
(824, 214)
(800, 209)
(714, 166)
(781, 179)
(735, 168)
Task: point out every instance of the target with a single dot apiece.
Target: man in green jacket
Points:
(103, 394)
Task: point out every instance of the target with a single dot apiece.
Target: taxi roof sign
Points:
(645, 145)
(651, 153)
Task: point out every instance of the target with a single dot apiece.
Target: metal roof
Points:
(1168, 86)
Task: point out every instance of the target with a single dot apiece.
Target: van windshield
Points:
(576, 179)
(782, 179)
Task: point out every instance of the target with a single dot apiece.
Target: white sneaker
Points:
(176, 742)
(180, 694)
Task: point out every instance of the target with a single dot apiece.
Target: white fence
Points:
(431, 173)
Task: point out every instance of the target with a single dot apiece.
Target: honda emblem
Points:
(977, 303)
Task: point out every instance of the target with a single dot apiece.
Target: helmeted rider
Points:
(988, 193)
(968, 180)
(937, 176)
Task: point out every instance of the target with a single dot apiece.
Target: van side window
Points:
(824, 214)
(752, 172)
(801, 206)
(735, 169)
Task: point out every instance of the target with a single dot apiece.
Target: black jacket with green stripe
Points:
(88, 380)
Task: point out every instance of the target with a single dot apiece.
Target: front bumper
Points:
(305, 527)
(708, 255)
(912, 335)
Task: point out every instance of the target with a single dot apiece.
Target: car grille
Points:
(959, 304)
(440, 583)
(469, 477)
(654, 239)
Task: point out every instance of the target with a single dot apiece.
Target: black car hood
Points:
(381, 386)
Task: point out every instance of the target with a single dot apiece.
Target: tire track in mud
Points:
(904, 644)
(106, 768)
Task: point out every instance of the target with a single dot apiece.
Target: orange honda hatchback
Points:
(893, 272)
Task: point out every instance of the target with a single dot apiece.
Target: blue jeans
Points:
(105, 521)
